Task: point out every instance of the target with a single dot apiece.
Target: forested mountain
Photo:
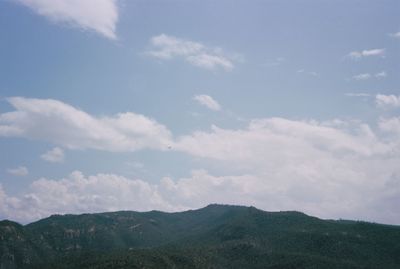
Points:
(217, 236)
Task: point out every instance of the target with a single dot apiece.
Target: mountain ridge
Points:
(223, 236)
(213, 205)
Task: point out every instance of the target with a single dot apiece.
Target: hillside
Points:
(217, 236)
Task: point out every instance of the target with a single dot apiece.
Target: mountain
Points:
(217, 236)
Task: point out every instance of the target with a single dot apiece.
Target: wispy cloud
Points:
(19, 171)
(55, 155)
(275, 62)
(382, 74)
(311, 73)
(207, 101)
(366, 76)
(387, 101)
(357, 94)
(356, 55)
(98, 15)
(167, 47)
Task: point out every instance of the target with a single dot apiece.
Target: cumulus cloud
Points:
(356, 55)
(387, 101)
(78, 194)
(98, 15)
(207, 101)
(19, 171)
(55, 155)
(167, 47)
(62, 124)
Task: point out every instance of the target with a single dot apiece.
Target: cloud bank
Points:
(78, 194)
(331, 169)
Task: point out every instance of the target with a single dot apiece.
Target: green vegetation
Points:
(216, 236)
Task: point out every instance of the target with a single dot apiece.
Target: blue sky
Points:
(284, 105)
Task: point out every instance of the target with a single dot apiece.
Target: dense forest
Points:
(217, 236)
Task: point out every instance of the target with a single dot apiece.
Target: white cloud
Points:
(207, 101)
(395, 35)
(366, 53)
(55, 155)
(20, 171)
(387, 101)
(61, 124)
(166, 47)
(364, 76)
(98, 15)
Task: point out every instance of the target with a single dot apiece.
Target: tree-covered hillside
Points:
(216, 236)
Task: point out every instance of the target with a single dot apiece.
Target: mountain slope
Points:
(217, 236)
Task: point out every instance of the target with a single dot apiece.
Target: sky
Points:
(110, 105)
